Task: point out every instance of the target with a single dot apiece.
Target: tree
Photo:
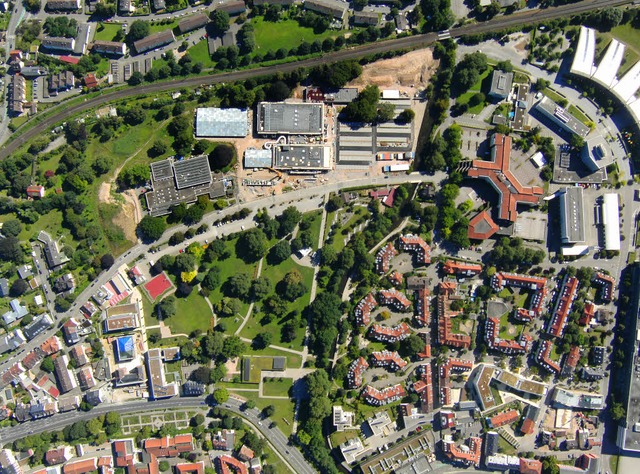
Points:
(10, 250)
(151, 228)
(221, 156)
(337, 75)
(212, 280)
(363, 108)
(167, 307)
(134, 175)
(33, 5)
(228, 307)
(135, 79)
(238, 285)
(406, 116)
(164, 466)
(292, 286)
(278, 91)
(413, 345)
(232, 347)
(18, 287)
(252, 245)
(12, 227)
(47, 365)
(576, 142)
(221, 395)
(112, 423)
(261, 287)
(288, 220)
(279, 252)
(219, 22)
(137, 30)
(107, 261)
(262, 340)
(268, 411)
(105, 10)
(386, 112)
(439, 14)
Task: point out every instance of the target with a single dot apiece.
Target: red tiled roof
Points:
(505, 418)
(90, 81)
(481, 226)
(388, 359)
(467, 456)
(195, 467)
(497, 172)
(390, 334)
(228, 465)
(454, 267)
(414, 243)
(384, 396)
(530, 466)
(543, 356)
(384, 256)
(80, 467)
(356, 369)
(528, 426)
(394, 297)
(364, 308)
(559, 319)
(588, 313)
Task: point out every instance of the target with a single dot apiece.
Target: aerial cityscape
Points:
(300, 236)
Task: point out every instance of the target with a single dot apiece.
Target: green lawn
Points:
(314, 229)
(554, 96)
(157, 26)
(293, 360)
(628, 35)
(107, 31)
(284, 34)
(258, 364)
(339, 437)
(283, 413)
(200, 53)
(477, 87)
(192, 313)
(577, 113)
(51, 222)
(276, 387)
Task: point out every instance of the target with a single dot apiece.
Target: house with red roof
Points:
(396, 278)
(468, 454)
(190, 468)
(356, 370)
(536, 284)
(390, 333)
(451, 366)
(507, 346)
(608, 284)
(364, 309)
(394, 298)
(383, 258)
(560, 317)
(571, 361)
(503, 419)
(530, 466)
(424, 388)
(168, 446)
(423, 309)
(454, 267)
(481, 226)
(446, 336)
(90, 81)
(35, 191)
(587, 314)
(387, 395)
(543, 357)
(389, 360)
(416, 245)
(230, 465)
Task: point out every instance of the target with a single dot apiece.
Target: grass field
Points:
(554, 96)
(477, 87)
(107, 31)
(258, 364)
(293, 360)
(314, 230)
(577, 113)
(159, 26)
(200, 54)
(283, 413)
(339, 437)
(284, 34)
(192, 313)
(276, 387)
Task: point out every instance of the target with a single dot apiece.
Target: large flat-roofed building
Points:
(154, 41)
(497, 173)
(611, 221)
(302, 157)
(261, 158)
(500, 84)
(158, 385)
(596, 153)
(175, 182)
(284, 118)
(561, 117)
(572, 228)
(215, 122)
(121, 318)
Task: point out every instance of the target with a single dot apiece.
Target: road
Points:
(274, 436)
(63, 111)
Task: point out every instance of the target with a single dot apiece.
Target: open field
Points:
(283, 413)
(107, 31)
(200, 53)
(276, 387)
(271, 36)
(192, 313)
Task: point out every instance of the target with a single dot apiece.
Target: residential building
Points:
(154, 41)
(455, 267)
(423, 307)
(446, 336)
(193, 22)
(387, 395)
(388, 359)
(85, 377)
(501, 83)
(531, 413)
(588, 313)
(70, 331)
(543, 357)
(491, 443)
(567, 295)
(508, 346)
(66, 379)
(83, 466)
(58, 456)
(11, 341)
(570, 362)
(64, 5)
(192, 388)
(333, 8)
(502, 419)
(416, 245)
(233, 7)
(394, 298)
(424, 388)
(608, 285)
(537, 285)
(227, 464)
(366, 18)
(65, 284)
(351, 449)
(168, 446)
(468, 455)
(579, 400)
(383, 258)
(224, 440)
(390, 334)
(16, 312)
(37, 326)
(35, 191)
(110, 48)
(58, 44)
(54, 257)
(356, 370)
(342, 420)
(451, 366)
(158, 385)
(79, 355)
(8, 462)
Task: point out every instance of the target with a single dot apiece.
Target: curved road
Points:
(409, 42)
(288, 454)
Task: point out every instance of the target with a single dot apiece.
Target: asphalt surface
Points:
(527, 17)
(290, 455)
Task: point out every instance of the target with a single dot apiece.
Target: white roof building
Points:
(611, 221)
(215, 122)
(585, 53)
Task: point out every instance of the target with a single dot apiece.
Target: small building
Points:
(333, 8)
(16, 312)
(261, 158)
(193, 23)
(4, 287)
(35, 191)
(58, 44)
(111, 48)
(233, 8)
(217, 122)
(366, 18)
(154, 41)
(342, 419)
(60, 82)
(64, 5)
(501, 83)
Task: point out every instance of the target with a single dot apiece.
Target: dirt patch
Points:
(408, 72)
(130, 213)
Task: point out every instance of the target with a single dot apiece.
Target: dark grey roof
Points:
(4, 287)
(292, 118)
(54, 257)
(233, 7)
(193, 22)
(501, 83)
(192, 172)
(37, 326)
(154, 41)
(56, 43)
(279, 363)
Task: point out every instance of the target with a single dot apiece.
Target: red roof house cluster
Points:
(492, 336)
(423, 311)
(417, 245)
(453, 267)
(356, 369)
(364, 308)
(530, 466)
(481, 226)
(563, 307)
(446, 336)
(497, 173)
(537, 284)
(383, 258)
(388, 359)
(543, 357)
(390, 334)
(387, 395)
(169, 447)
(587, 314)
(229, 465)
(396, 278)
(394, 298)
